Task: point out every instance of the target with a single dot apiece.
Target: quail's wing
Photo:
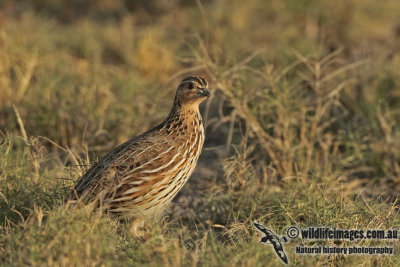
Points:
(124, 162)
(145, 171)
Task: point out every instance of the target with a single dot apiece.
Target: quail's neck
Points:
(182, 118)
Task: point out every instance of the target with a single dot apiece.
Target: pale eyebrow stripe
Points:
(201, 82)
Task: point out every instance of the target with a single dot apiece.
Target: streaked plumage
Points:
(140, 177)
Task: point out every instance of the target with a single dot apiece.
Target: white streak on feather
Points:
(163, 166)
(132, 190)
(138, 182)
(121, 199)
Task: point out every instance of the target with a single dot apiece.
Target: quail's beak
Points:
(203, 92)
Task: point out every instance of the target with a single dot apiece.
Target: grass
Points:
(302, 126)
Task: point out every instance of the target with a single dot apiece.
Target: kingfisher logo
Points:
(326, 233)
(271, 238)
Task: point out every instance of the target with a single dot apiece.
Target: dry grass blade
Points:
(342, 70)
(27, 76)
(21, 125)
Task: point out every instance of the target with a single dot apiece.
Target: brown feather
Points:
(141, 176)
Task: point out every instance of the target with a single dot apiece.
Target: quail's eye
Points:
(190, 86)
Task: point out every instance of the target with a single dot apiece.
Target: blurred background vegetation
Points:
(303, 125)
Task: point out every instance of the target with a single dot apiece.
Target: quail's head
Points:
(192, 90)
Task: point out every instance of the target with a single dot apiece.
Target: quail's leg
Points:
(138, 231)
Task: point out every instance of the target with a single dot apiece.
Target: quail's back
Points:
(140, 177)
